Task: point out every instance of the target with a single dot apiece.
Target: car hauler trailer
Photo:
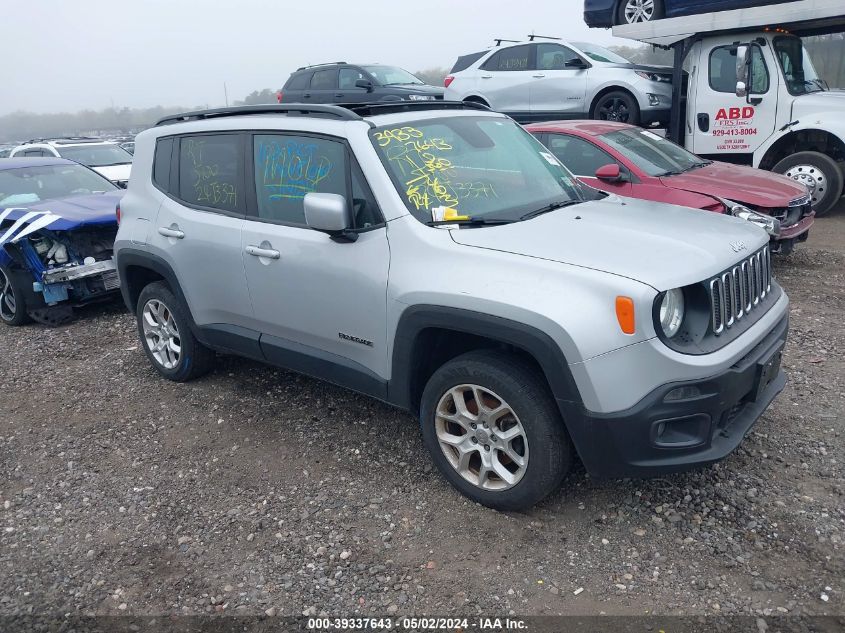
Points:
(751, 95)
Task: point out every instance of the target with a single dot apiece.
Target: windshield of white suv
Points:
(652, 153)
(25, 185)
(600, 53)
(473, 168)
(392, 76)
(798, 71)
(96, 155)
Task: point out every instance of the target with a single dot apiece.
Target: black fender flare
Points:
(415, 319)
(132, 257)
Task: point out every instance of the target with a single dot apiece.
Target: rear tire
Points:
(638, 11)
(165, 332)
(819, 172)
(617, 105)
(12, 302)
(513, 450)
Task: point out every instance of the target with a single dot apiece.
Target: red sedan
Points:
(630, 161)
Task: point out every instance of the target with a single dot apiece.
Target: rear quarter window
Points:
(161, 163)
(298, 81)
(465, 61)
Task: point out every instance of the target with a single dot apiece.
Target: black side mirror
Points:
(576, 63)
(364, 83)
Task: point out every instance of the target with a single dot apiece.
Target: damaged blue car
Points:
(57, 230)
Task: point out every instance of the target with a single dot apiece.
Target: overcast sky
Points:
(66, 55)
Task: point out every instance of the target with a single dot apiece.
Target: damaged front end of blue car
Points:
(54, 259)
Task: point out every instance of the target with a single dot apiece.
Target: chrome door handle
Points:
(540, 76)
(257, 251)
(166, 231)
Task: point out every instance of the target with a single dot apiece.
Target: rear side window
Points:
(514, 58)
(209, 171)
(288, 167)
(465, 61)
(324, 80)
(161, 163)
(299, 81)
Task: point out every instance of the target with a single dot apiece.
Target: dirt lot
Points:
(255, 490)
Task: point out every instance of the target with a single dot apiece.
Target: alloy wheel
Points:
(8, 304)
(161, 334)
(638, 11)
(614, 110)
(481, 437)
(811, 177)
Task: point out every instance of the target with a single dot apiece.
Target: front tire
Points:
(819, 172)
(166, 336)
(12, 302)
(618, 106)
(494, 431)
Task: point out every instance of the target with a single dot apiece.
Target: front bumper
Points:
(657, 436)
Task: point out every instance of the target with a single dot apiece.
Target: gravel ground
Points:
(257, 491)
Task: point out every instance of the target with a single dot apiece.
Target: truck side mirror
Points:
(743, 70)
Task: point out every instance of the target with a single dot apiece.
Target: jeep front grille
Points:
(738, 291)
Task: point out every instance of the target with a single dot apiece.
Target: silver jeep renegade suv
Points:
(436, 257)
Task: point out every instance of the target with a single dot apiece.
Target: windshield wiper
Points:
(703, 163)
(554, 206)
(470, 222)
(671, 172)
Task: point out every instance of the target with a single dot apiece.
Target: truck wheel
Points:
(494, 431)
(819, 172)
(636, 11)
(12, 304)
(617, 106)
(167, 338)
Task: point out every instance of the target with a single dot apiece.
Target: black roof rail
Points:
(58, 139)
(391, 107)
(545, 37)
(499, 41)
(293, 108)
(323, 64)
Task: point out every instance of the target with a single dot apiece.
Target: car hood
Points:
(661, 245)
(747, 185)
(662, 70)
(807, 105)
(115, 172)
(417, 90)
(62, 214)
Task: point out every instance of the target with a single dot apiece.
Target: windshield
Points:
(26, 185)
(653, 154)
(798, 71)
(96, 155)
(392, 76)
(477, 167)
(600, 53)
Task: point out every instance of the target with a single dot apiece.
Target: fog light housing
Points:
(682, 393)
(653, 100)
(683, 432)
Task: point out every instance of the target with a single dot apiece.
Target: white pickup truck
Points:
(745, 90)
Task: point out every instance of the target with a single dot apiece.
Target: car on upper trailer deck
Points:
(607, 13)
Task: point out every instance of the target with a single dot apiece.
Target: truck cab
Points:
(753, 96)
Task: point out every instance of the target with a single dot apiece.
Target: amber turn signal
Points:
(625, 314)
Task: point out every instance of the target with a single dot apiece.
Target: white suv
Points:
(543, 81)
(437, 257)
(105, 157)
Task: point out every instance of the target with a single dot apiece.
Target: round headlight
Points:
(672, 312)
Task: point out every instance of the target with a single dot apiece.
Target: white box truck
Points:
(745, 90)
